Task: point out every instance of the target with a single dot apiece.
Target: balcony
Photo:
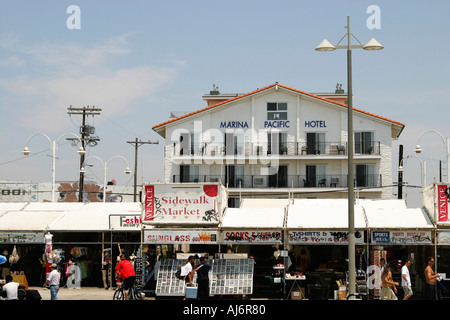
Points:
(290, 181)
(284, 149)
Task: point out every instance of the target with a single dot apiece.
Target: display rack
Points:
(361, 283)
(227, 277)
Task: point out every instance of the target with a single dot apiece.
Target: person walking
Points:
(187, 271)
(53, 280)
(202, 278)
(388, 284)
(430, 280)
(126, 273)
(406, 280)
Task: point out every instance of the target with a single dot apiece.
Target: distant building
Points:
(23, 191)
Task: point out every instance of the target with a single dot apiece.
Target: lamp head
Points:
(418, 149)
(373, 45)
(81, 151)
(127, 170)
(26, 151)
(325, 45)
(82, 170)
(400, 168)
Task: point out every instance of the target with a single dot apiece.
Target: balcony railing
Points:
(284, 149)
(290, 181)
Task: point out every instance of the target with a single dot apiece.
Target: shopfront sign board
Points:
(22, 237)
(401, 237)
(323, 237)
(178, 236)
(251, 237)
(125, 222)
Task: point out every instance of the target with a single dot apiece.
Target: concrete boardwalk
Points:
(86, 293)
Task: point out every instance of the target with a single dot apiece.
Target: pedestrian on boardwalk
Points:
(53, 280)
(430, 280)
(406, 280)
(388, 285)
(203, 279)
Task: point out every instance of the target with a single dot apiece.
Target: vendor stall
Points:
(317, 231)
(396, 233)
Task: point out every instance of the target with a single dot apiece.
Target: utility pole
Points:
(137, 144)
(86, 138)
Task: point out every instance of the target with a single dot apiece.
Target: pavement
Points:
(84, 293)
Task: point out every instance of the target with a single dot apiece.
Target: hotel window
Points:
(234, 144)
(315, 176)
(315, 143)
(277, 143)
(276, 111)
(365, 175)
(189, 173)
(234, 176)
(364, 142)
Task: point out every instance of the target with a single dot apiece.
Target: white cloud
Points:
(80, 75)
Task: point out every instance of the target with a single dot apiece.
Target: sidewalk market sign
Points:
(182, 203)
(401, 237)
(323, 237)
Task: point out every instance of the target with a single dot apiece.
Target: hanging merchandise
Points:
(2, 259)
(48, 245)
(14, 257)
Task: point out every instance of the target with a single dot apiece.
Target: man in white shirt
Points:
(53, 279)
(11, 288)
(406, 280)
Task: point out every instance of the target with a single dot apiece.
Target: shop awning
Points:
(394, 215)
(28, 221)
(264, 203)
(63, 216)
(94, 216)
(322, 214)
(253, 218)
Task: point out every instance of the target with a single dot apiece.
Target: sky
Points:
(140, 60)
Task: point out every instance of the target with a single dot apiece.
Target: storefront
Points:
(258, 233)
(73, 235)
(397, 233)
(318, 235)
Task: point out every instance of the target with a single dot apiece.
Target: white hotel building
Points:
(278, 141)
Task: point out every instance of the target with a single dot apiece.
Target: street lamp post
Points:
(105, 167)
(418, 148)
(53, 145)
(422, 167)
(325, 45)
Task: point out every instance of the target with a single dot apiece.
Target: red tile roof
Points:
(268, 87)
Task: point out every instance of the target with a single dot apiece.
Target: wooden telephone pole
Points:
(86, 138)
(137, 144)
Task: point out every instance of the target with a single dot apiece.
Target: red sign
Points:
(149, 210)
(442, 203)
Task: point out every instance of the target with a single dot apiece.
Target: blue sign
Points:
(380, 237)
(315, 124)
(233, 124)
(277, 124)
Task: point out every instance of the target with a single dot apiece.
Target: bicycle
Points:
(133, 293)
